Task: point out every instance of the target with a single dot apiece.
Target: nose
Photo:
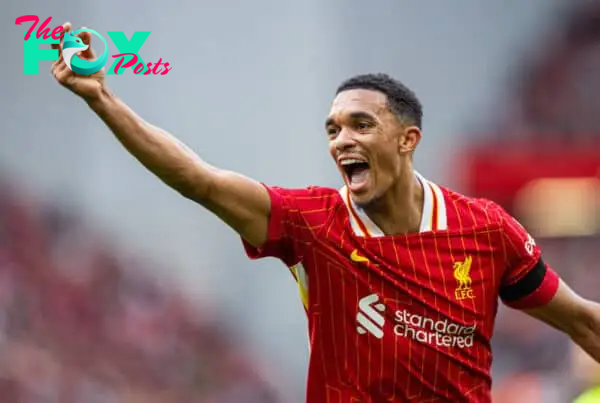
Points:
(344, 140)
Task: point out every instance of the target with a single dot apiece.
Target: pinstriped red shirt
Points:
(403, 318)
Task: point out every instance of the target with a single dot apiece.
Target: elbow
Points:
(182, 183)
(188, 188)
(192, 181)
(196, 186)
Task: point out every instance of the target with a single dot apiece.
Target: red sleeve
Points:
(296, 216)
(528, 282)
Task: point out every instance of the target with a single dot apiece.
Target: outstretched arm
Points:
(532, 286)
(242, 203)
(573, 315)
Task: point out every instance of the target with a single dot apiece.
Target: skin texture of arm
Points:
(241, 202)
(576, 316)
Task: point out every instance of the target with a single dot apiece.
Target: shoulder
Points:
(468, 212)
(308, 191)
(310, 198)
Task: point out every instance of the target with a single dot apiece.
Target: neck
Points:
(400, 209)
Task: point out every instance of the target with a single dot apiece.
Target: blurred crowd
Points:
(81, 324)
(533, 363)
(553, 94)
(553, 109)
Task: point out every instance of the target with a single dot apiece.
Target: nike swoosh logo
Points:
(355, 257)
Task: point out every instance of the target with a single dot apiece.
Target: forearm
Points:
(242, 203)
(574, 315)
(161, 153)
(586, 333)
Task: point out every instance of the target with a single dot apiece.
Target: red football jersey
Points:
(403, 318)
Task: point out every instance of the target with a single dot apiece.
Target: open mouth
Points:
(357, 172)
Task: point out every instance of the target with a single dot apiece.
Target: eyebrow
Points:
(352, 116)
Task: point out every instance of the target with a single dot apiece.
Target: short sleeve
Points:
(522, 251)
(528, 281)
(296, 217)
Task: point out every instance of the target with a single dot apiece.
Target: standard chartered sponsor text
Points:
(425, 330)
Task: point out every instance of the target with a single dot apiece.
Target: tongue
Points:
(359, 175)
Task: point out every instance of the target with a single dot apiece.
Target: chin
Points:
(363, 198)
(368, 196)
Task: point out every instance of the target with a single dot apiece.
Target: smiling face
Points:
(371, 145)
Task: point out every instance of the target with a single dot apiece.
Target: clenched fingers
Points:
(61, 72)
(66, 28)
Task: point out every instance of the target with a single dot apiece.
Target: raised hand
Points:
(86, 86)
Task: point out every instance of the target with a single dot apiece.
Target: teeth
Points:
(351, 161)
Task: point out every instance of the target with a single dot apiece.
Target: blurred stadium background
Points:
(115, 289)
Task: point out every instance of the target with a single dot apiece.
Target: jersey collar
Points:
(433, 218)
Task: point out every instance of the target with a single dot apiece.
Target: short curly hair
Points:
(402, 101)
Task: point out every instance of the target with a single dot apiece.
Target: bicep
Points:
(562, 311)
(535, 287)
(241, 202)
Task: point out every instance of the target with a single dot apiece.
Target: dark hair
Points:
(401, 100)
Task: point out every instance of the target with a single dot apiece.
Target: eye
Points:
(332, 131)
(364, 125)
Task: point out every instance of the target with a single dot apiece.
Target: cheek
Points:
(387, 160)
(332, 150)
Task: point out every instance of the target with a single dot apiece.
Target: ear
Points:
(409, 139)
